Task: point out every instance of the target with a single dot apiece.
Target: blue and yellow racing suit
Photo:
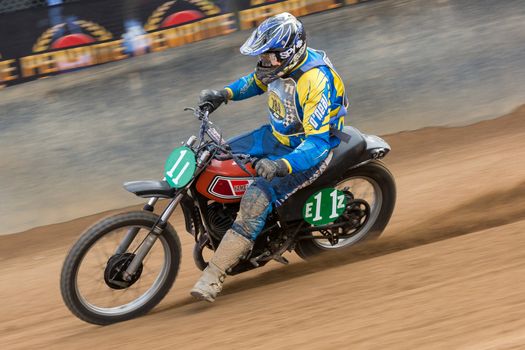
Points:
(304, 109)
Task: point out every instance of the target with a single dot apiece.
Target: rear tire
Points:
(68, 280)
(382, 181)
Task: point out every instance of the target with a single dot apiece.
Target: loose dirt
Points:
(448, 273)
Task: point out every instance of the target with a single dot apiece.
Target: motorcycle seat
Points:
(345, 155)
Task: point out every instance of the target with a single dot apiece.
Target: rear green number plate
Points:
(324, 207)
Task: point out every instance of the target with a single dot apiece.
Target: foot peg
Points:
(266, 257)
(281, 259)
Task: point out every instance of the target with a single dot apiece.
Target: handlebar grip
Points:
(206, 107)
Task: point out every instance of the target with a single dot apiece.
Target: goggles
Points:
(269, 59)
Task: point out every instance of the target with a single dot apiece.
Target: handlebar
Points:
(202, 113)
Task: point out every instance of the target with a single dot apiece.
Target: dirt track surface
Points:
(448, 273)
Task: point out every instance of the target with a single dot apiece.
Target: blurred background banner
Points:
(252, 12)
(39, 38)
(45, 37)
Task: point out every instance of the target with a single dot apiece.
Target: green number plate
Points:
(324, 207)
(180, 167)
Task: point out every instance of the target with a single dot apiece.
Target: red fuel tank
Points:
(224, 181)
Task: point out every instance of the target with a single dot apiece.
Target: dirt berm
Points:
(448, 273)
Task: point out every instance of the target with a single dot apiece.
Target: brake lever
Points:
(206, 108)
(241, 164)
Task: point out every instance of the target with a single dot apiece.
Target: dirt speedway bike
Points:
(124, 265)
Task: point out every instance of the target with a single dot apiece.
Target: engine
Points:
(220, 218)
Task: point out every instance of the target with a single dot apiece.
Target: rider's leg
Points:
(231, 249)
(250, 220)
(237, 242)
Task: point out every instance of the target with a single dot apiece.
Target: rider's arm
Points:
(245, 87)
(313, 89)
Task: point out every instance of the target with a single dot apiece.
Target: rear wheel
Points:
(371, 191)
(92, 283)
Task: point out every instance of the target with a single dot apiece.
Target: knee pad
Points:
(255, 206)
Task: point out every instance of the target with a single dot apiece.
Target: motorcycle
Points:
(124, 265)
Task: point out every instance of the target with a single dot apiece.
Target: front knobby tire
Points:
(382, 182)
(104, 316)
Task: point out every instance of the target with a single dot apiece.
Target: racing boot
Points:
(232, 248)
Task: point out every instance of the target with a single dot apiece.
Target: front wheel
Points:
(373, 190)
(91, 282)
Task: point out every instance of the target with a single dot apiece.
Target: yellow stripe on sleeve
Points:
(230, 93)
(260, 83)
(288, 165)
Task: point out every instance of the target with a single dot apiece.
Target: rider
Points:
(307, 104)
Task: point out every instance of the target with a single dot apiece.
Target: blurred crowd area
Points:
(46, 37)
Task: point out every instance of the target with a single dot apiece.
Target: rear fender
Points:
(376, 147)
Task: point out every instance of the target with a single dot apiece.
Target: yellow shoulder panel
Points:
(310, 89)
(310, 85)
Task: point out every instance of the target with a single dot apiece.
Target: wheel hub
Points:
(358, 212)
(113, 274)
(356, 215)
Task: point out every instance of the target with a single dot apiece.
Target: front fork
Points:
(156, 231)
(150, 239)
(132, 232)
